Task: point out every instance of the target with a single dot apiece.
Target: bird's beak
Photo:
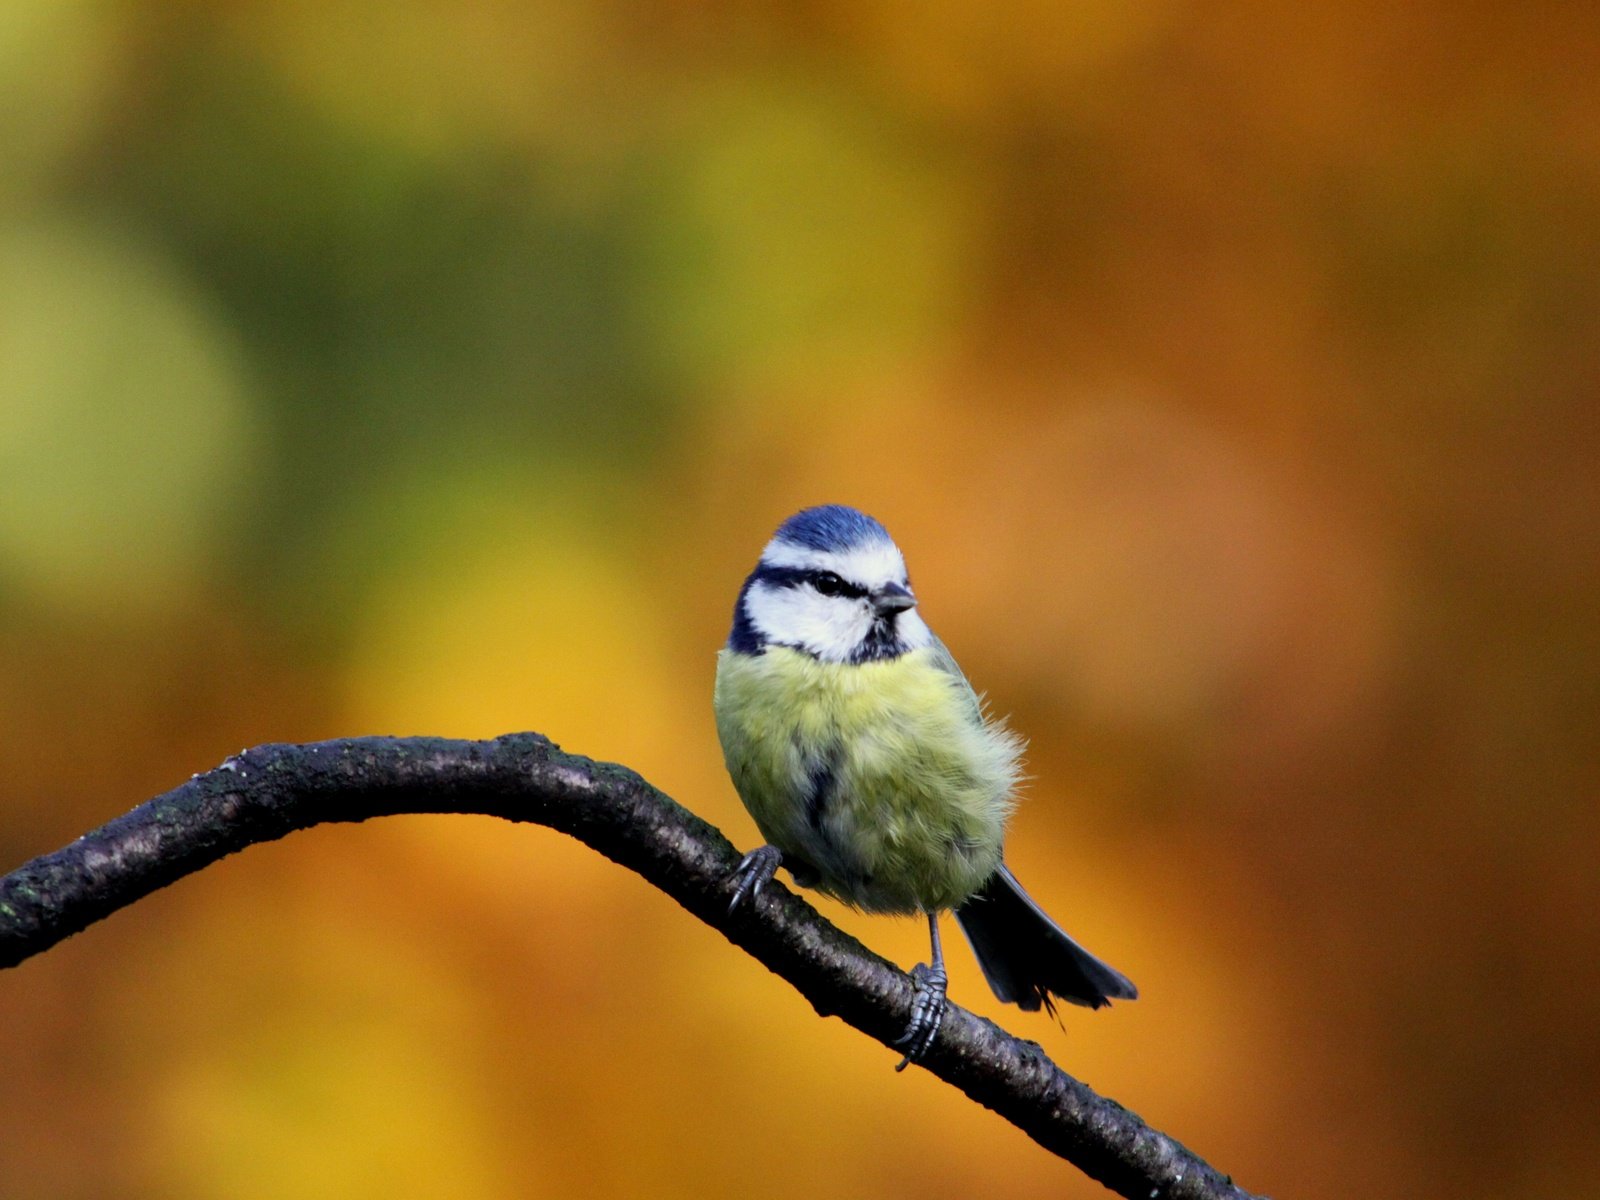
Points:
(892, 599)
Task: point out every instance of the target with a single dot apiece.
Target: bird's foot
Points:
(753, 873)
(927, 1012)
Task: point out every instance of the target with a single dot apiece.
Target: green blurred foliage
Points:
(1228, 375)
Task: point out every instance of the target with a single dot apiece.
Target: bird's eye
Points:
(828, 584)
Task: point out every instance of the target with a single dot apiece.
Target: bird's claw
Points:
(927, 1012)
(755, 870)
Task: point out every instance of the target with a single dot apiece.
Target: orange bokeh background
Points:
(1228, 376)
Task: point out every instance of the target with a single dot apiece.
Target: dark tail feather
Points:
(1027, 958)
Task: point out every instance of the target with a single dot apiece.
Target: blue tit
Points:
(873, 770)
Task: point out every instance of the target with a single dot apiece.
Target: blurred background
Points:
(1227, 373)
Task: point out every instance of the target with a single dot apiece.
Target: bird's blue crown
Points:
(830, 527)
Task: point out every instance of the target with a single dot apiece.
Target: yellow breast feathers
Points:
(883, 780)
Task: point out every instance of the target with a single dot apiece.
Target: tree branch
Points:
(269, 791)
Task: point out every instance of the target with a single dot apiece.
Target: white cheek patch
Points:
(872, 564)
(831, 627)
(913, 630)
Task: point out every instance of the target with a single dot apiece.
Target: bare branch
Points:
(269, 791)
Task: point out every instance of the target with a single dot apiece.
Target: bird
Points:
(875, 773)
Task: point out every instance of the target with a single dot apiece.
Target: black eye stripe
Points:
(825, 583)
(830, 584)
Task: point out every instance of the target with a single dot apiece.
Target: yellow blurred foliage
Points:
(318, 1100)
(1227, 377)
(127, 441)
(438, 79)
(792, 234)
(56, 59)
